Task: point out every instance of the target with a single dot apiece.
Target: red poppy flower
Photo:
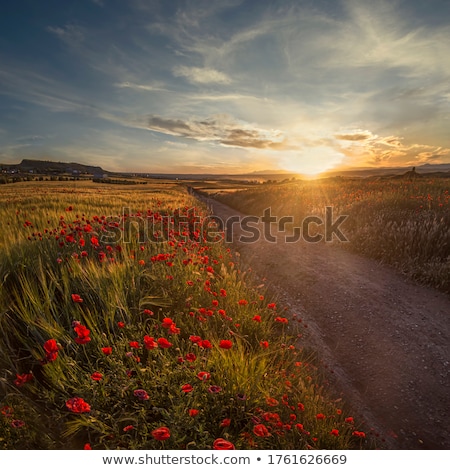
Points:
(223, 293)
(141, 394)
(87, 446)
(334, 432)
(149, 342)
(225, 423)
(51, 348)
(257, 318)
(243, 302)
(264, 344)
(190, 357)
(134, 344)
(261, 430)
(222, 444)
(148, 312)
(6, 411)
(272, 306)
(163, 343)
(349, 420)
(96, 376)
(22, 379)
(161, 434)
(272, 417)
(193, 412)
(320, 416)
(173, 330)
(167, 322)
(360, 434)
(203, 376)
(204, 343)
(77, 299)
(195, 339)
(121, 324)
(271, 401)
(78, 405)
(17, 423)
(83, 334)
(281, 320)
(107, 351)
(130, 427)
(225, 344)
(187, 388)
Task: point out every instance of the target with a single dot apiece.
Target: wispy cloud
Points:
(220, 129)
(362, 148)
(70, 33)
(33, 87)
(140, 87)
(201, 76)
(355, 135)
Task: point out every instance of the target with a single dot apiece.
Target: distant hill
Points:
(48, 167)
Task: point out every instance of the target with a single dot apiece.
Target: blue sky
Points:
(226, 86)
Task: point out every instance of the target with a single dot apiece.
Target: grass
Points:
(126, 329)
(400, 222)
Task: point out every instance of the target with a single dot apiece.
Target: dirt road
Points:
(386, 340)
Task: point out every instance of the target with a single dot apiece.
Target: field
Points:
(402, 222)
(127, 325)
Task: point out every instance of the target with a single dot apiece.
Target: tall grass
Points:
(167, 336)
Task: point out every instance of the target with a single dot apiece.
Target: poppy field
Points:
(402, 222)
(126, 325)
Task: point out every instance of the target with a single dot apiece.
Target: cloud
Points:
(249, 138)
(354, 135)
(138, 87)
(27, 85)
(387, 150)
(220, 129)
(70, 33)
(201, 75)
(30, 139)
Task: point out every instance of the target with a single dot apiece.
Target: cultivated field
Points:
(127, 325)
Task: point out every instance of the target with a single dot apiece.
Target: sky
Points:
(226, 86)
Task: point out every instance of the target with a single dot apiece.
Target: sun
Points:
(312, 161)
